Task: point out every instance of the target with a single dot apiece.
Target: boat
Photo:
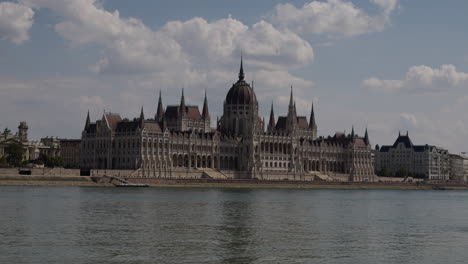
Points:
(131, 185)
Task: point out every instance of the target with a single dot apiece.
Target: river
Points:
(221, 225)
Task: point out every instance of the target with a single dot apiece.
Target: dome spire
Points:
(241, 71)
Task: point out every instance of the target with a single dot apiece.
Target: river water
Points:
(209, 225)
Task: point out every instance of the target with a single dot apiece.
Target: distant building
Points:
(180, 138)
(458, 167)
(70, 152)
(426, 161)
(7, 138)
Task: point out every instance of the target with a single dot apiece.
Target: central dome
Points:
(240, 92)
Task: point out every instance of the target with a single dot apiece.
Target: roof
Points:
(240, 93)
(403, 139)
(152, 127)
(126, 126)
(112, 120)
(302, 122)
(281, 123)
(192, 111)
(406, 141)
(92, 128)
(359, 142)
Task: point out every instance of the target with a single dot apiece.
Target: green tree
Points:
(14, 154)
(6, 132)
(50, 162)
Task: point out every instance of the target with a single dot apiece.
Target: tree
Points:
(14, 154)
(50, 162)
(6, 132)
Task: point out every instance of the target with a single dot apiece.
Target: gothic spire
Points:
(160, 111)
(205, 113)
(291, 105)
(366, 137)
(312, 123)
(241, 71)
(182, 107)
(291, 98)
(142, 118)
(271, 123)
(88, 122)
(352, 132)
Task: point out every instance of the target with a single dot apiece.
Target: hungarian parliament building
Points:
(180, 139)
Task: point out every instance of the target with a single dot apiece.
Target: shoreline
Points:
(86, 181)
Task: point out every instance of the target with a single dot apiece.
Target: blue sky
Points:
(388, 65)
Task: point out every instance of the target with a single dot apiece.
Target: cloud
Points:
(130, 47)
(421, 79)
(15, 22)
(337, 17)
(196, 54)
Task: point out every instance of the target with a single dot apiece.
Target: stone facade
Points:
(180, 138)
(458, 167)
(428, 161)
(70, 152)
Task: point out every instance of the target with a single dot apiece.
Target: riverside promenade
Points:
(87, 181)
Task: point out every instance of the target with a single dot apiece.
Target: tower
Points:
(206, 114)
(23, 132)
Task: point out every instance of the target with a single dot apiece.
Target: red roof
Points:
(302, 122)
(359, 142)
(152, 127)
(113, 120)
(172, 112)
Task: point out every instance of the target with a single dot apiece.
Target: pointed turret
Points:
(271, 123)
(352, 132)
(291, 98)
(142, 118)
(241, 71)
(88, 122)
(312, 123)
(160, 111)
(291, 106)
(366, 137)
(182, 107)
(205, 113)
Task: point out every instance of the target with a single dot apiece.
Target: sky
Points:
(384, 65)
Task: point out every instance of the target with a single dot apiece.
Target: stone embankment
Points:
(67, 177)
(27, 180)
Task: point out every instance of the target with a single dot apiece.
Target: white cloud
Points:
(15, 22)
(408, 121)
(387, 5)
(179, 46)
(195, 54)
(333, 17)
(421, 79)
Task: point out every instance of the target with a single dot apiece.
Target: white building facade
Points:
(425, 161)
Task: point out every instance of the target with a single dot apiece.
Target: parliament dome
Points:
(240, 92)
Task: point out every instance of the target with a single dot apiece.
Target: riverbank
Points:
(26, 180)
(85, 181)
